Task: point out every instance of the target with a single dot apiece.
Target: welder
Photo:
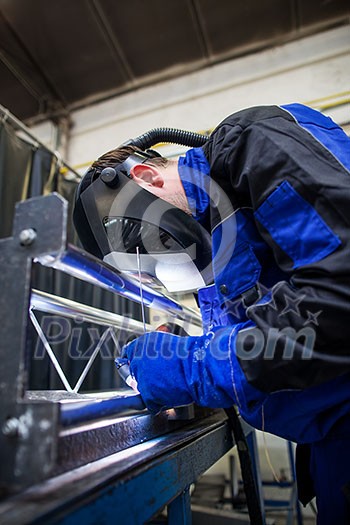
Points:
(256, 222)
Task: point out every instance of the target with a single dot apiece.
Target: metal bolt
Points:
(11, 427)
(27, 236)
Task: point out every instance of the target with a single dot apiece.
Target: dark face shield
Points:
(143, 235)
(127, 234)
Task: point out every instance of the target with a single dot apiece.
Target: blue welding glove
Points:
(172, 371)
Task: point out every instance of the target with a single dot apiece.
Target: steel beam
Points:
(129, 487)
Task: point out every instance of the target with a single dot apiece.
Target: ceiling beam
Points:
(111, 40)
(47, 94)
(199, 25)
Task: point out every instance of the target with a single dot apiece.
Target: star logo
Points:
(270, 300)
(236, 309)
(312, 317)
(292, 305)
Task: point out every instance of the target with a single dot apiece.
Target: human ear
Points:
(146, 174)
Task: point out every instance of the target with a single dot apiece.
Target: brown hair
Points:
(118, 155)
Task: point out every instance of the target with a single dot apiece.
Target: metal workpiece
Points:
(39, 432)
(153, 473)
(82, 265)
(66, 456)
(85, 411)
(92, 426)
(53, 304)
(93, 440)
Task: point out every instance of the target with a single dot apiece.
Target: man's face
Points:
(163, 182)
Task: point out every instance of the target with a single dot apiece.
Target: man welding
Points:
(256, 222)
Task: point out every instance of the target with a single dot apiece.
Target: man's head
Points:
(156, 174)
(132, 202)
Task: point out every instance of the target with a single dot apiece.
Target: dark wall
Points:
(27, 171)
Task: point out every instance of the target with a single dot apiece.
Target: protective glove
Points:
(173, 371)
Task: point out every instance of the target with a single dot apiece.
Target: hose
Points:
(171, 135)
(249, 483)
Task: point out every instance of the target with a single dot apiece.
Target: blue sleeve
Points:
(300, 196)
(174, 371)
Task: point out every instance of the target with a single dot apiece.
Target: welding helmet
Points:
(138, 233)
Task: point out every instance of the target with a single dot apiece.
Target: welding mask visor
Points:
(142, 235)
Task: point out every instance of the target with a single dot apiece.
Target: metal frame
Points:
(109, 332)
(90, 449)
(39, 228)
(48, 303)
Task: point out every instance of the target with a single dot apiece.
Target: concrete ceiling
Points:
(59, 55)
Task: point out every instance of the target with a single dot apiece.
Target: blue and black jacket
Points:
(274, 190)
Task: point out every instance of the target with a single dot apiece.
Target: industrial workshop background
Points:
(28, 169)
(79, 77)
(87, 75)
